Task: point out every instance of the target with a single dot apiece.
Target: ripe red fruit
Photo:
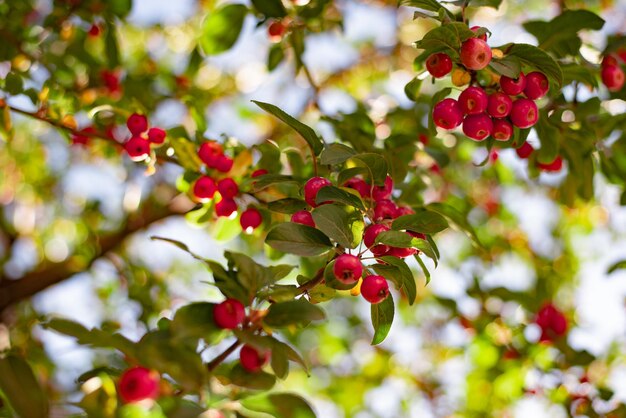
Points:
(312, 187)
(137, 124)
(137, 384)
(204, 188)
(225, 207)
(401, 252)
(477, 127)
(259, 172)
(209, 152)
(502, 130)
(303, 217)
(369, 237)
(374, 289)
(229, 314)
(359, 185)
(613, 77)
(111, 81)
(447, 114)
(137, 148)
(252, 360)
(537, 85)
(552, 322)
(404, 210)
(156, 136)
(78, 139)
(385, 209)
(439, 64)
(524, 113)
(475, 54)
(228, 188)
(609, 60)
(384, 191)
(513, 86)
(348, 268)
(276, 30)
(483, 36)
(554, 166)
(223, 164)
(473, 100)
(499, 105)
(525, 150)
(94, 30)
(250, 219)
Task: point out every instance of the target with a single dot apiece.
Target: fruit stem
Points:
(219, 359)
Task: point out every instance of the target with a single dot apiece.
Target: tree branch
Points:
(48, 274)
(219, 359)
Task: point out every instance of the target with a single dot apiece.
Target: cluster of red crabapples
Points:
(214, 183)
(348, 268)
(612, 73)
(486, 112)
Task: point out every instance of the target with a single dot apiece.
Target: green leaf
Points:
(196, 321)
(185, 151)
(94, 337)
(348, 173)
(338, 223)
(336, 154)
(275, 56)
(314, 141)
(13, 84)
(289, 205)
(111, 45)
(428, 5)
(535, 58)
(424, 221)
(395, 239)
(295, 312)
(620, 265)
(221, 28)
(457, 218)
(402, 278)
(279, 405)
(412, 89)
(21, 388)
(346, 196)
(382, 317)
(446, 38)
(256, 381)
(270, 8)
(298, 239)
(508, 66)
(120, 7)
(486, 3)
(425, 247)
(582, 74)
(549, 136)
(375, 164)
(266, 180)
(423, 267)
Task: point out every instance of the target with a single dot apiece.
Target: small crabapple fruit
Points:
(369, 237)
(475, 54)
(613, 77)
(502, 130)
(359, 185)
(137, 124)
(223, 163)
(229, 314)
(156, 136)
(228, 187)
(384, 191)
(447, 114)
(137, 148)
(500, 105)
(312, 187)
(460, 77)
(554, 166)
(524, 150)
(513, 86)
(250, 219)
(204, 188)
(552, 322)
(252, 360)
(385, 209)
(348, 268)
(439, 64)
(225, 207)
(276, 30)
(473, 100)
(374, 289)
(259, 172)
(303, 217)
(524, 113)
(537, 85)
(209, 152)
(137, 384)
(477, 127)
(609, 60)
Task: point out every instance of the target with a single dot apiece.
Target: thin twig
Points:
(219, 359)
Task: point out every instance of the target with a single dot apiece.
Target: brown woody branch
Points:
(48, 274)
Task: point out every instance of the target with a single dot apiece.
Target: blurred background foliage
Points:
(75, 220)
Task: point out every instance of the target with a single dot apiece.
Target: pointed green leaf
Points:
(298, 239)
(382, 318)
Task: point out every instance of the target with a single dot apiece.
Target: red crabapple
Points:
(477, 127)
(439, 64)
(554, 166)
(481, 37)
(223, 163)
(513, 86)
(359, 185)
(209, 152)
(369, 237)
(252, 360)
(524, 113)
(312, 187)
(228, 187)
(137, 124)
(276, 30)
(250, 219)
(138, 383)
(384, 191)
(385, 209)
(401, 252)
(475, 54)
(552, 322)
(500, 105)
(259, 172)
(303, 217)
(613, 77)
(348, 268)
(502, 130)
(374, 289)
(404, 210)
(156, 136)
(204, 188)
(537, 85)
(225, 207)
(137, 148)
(609, 60)
(473, 100)
(524, 150)
(447, 114)
(229, 314)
